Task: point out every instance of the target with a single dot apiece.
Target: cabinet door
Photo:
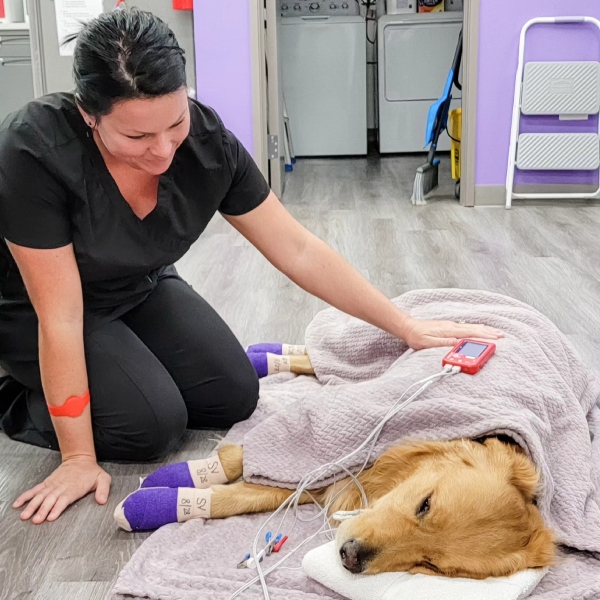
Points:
(16, 84)
(14, 44)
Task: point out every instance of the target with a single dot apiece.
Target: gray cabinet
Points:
(16, 73)
(55, 72)
(20, 82)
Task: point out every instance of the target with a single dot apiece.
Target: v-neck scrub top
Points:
(55, 189)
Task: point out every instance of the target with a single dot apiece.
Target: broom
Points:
(427, 178)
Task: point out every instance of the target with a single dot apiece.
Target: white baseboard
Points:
(495, 195)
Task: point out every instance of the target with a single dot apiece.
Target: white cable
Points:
(321, 473)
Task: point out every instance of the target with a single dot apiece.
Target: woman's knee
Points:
(243, 396)
(146, 432)
(228, 398)
(138, 412)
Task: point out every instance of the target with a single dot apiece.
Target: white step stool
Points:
(569, 90)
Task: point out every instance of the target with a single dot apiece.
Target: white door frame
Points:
(259, 85)
(275, 122)
(266, 91)
(469, 94)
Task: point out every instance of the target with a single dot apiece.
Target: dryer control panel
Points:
(328, 8)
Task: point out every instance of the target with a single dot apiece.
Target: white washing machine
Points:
(415, 56)
(323, 68)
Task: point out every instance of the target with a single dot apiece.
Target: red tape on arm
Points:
(73, 407)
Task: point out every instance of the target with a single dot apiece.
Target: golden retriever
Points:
(461, 508)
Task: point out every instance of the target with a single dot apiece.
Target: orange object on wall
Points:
(183, 4)
(427, 6)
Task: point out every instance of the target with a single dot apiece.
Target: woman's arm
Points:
(318, 269)
(54, 287)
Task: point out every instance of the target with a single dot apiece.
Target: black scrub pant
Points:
(168, 364)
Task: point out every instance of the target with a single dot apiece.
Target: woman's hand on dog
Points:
(72, 480)
(420, 334)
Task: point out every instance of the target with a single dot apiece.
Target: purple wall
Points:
(500, 27)
(223, 63)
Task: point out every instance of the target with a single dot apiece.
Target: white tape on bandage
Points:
(277, 364)
(207, 471)
(293, 350)
(193, 504)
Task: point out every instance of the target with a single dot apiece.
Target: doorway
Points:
(389, 117)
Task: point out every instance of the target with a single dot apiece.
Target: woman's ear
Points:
(89, 120)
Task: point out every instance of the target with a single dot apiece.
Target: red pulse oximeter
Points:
(470, 355)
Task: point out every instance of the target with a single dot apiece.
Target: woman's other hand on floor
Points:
(73, 479)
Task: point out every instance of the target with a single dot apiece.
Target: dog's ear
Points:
(524, 476)
(541, 547)
(521, 472)
(539, 552)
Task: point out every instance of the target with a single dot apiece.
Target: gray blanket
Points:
(535, 389)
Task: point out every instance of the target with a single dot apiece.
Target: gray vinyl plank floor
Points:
(546, 254)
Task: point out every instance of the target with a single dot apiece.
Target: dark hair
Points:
(124, 54)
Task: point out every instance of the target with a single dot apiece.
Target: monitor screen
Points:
(472, 349)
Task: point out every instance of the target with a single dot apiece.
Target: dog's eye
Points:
(424, 508)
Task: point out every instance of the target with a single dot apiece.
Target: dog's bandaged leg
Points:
(271, 364)
(199, 474)
(151, 508)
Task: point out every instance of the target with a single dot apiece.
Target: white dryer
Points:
(415, 56)
(323, 64)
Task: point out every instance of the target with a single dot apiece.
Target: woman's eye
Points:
(135, 137)
(424, 509)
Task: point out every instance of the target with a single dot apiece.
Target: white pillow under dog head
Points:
(323, 565)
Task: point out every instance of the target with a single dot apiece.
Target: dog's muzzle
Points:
(355, 556)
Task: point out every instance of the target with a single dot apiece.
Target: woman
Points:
(100, 193)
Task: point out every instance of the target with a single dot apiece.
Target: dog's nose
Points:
(350, 555)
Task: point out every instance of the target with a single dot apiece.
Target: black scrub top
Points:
(55, 190)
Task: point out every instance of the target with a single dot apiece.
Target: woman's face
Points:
(145, 133)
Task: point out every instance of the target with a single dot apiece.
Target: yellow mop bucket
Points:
(456, 134)
(455, 123)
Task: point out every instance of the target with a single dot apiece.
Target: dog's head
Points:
(459, 509)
